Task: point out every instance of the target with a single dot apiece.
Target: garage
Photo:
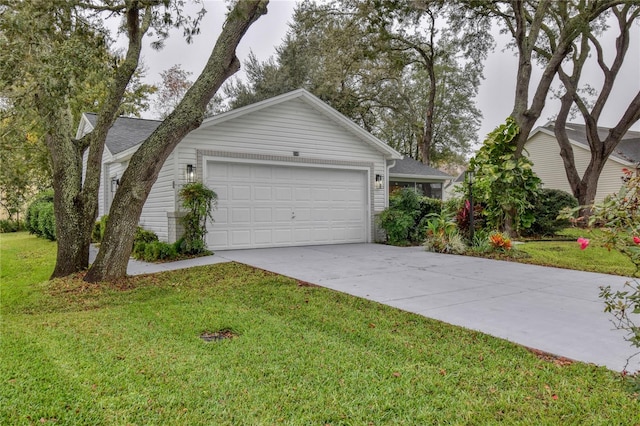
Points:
(275, 205)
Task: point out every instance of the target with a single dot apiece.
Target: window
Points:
(428, 189)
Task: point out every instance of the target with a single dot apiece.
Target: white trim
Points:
(368, 171)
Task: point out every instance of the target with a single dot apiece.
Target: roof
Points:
(407, 167)
(126, 132)
(628, 148)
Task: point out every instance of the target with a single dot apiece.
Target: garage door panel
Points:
(240, 216)
(269, 205)
(263, 236)
(262, 215)
(262, 193)
(220, 216)
(282, 215)
(240, 238)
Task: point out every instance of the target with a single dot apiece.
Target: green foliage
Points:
(142, 235)
(504, 184)
(442, 235)
(619, 215)
(130, 353)
(406, 218)
(397, 224)
(40, 219)
(547, 207)
(9, 225)
(98, 230)
(147, 247)
(199, 202)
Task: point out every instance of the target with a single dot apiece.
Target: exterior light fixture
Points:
(472, 226)
(115, 182)
(379, 182)
(191, 173)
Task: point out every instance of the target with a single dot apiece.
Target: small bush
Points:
(97, 234)
(142, 235)
(40, 219)
(43, 204)
(442, 235)
(406, 218)
(8, 225)
(546, 209)
(397, 224)
(499, 242)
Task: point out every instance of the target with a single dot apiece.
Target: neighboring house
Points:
(288, 171)
(454, 187)
(409, 173)
(543, 150)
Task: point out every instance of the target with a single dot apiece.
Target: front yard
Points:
(132, 353)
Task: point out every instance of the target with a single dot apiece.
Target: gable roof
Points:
(628, 149)
(407, 167)
(126, 132)
(315, 103)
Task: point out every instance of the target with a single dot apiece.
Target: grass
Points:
(130, 353)
(567, 254)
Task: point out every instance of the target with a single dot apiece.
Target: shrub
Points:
(98, 230)
(154, 251)
(405, 221)
(40, 219)
(199, 202)
(442, 235)
(142, 235)
(546, 210)
(499, 242)
(397, 224)
(8, 225)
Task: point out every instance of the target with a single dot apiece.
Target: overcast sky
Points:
(495, 99)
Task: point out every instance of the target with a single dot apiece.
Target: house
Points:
(543, 150)
(288, 171)
(409, 173)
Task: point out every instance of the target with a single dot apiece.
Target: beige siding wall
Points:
(278, 131)
(161, 201)
(544, 152)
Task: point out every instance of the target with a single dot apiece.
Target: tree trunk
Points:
(74, 221)
(146, 163)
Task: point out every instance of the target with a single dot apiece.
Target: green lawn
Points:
(567, 254)
(130, 353)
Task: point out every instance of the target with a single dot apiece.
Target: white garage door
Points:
(272, 206)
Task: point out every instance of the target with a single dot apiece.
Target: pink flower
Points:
(584, 242)
(636, 240)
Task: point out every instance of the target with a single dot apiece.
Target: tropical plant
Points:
(199, 202)
(505, 184)
(442, 234)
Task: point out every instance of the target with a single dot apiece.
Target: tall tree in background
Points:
(526, 21)
(175, 83)
(50, 52)
(389, 66)
(584, 187)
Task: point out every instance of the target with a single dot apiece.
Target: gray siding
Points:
(544, 152)
(161, 201)
(278, 131)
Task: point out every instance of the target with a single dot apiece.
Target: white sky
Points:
(495, 98)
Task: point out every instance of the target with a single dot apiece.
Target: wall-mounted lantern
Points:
(115, 182)
(379, 182)
(191, 173)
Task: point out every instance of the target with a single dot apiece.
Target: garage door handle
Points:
(293, 215)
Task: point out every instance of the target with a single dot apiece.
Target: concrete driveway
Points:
(554, 310)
